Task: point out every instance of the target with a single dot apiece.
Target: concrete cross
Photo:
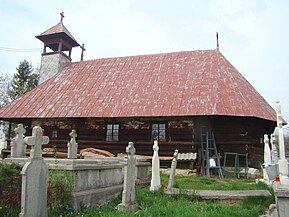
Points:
(173, 171)
(267, 151)
(73, 135)
(283, 163)
(72, 145)
(155, 146)
(36, 141)
(274, 151)
(280, 130)
(130, 149)
(2, 135)
(20, 131)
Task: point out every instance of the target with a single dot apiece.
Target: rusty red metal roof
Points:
(192, 83)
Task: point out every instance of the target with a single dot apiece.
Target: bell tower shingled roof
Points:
(60, 42)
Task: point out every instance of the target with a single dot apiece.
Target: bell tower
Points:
(58, 44)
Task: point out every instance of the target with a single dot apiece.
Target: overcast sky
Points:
(253, 35)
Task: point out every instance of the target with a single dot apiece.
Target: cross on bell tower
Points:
(58, 44)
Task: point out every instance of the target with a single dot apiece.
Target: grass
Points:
(153, 204)
(204, 183)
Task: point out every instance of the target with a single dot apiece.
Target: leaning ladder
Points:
(212, 156)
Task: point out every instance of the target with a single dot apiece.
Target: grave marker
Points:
(18, 147)
(128, 195)
(72, 145)
(34, 178)
(267, 152)
(2, 138)
(267, 158)
(173, 171)
(283, 163)
(274, 151)
(156, 180)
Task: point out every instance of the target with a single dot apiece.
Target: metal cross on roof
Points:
(82, 52)
(62, 16)
(36, 141)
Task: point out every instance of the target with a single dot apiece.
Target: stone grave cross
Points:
(283, 163)
(36, 141)
(18, 148)
(267, 152)
(2, 135)
(274, 151)
(173, 171)
(72, 145)
(2, 138)
(156, 180)
(130, 150)
(34, 178)
(128, 195)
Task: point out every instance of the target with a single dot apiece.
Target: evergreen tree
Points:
(24, 80)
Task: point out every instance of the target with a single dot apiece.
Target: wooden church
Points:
(170, 97)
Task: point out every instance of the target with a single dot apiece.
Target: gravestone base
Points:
(94, 197)
(127, 207)
(282, 201)
(155, 187)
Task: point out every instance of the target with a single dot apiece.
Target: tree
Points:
(24, 80)
(4, 89)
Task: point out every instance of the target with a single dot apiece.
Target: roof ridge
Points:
(144, 55)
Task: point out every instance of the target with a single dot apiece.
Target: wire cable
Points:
(8, 49)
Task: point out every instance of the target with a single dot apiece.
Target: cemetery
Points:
(94, 137)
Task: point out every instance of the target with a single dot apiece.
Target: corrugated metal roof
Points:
(173, 84)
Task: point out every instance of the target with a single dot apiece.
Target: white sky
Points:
(253, 35)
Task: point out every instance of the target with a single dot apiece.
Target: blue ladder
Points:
(212, 156)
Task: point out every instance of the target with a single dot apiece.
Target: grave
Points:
(156, 180)
(34, 178)
(173, 171)
(72, 146)
(95, 181)
(3, 143)
(18, 147)
(129, 203)
(276, 167)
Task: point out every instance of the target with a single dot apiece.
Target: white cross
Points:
(36, 141)
(20, 131)
(130, 149)
(2, 135)
(73, 135)
(155, 146)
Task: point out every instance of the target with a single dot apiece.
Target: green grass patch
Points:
(159, 204)
(204, 183)
(153, 204)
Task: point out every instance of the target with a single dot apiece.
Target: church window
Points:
(159, 132)
(54, 134)
(112, 132)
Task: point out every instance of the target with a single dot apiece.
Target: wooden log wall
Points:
(92, 133)
(242, 135)
(233, 134)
